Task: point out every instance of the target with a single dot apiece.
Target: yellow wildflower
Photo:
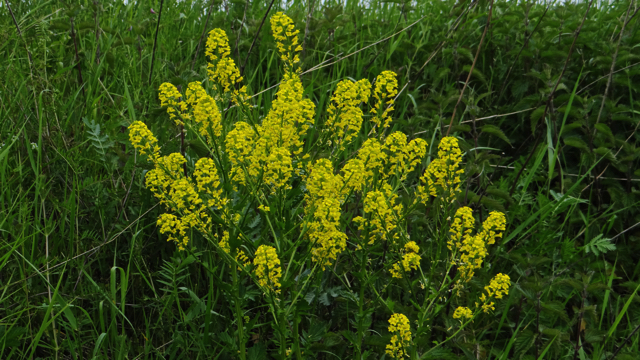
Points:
(461, 228)
(286, 37)
(224, 242)
(442, 177)
(161, 178)
(402, 157)
(170, 97)
(324, 202)
(473, 249)
(386, 89)
(345, 116)
(240, 144)
(462, 313)
(176, 228)
(194, 93)
(267, 268)
(208, 182)
(222, 70)
(383, 213)
(410, 260)
(401, 338)
(217, 46)
(278, 168)
(143, 140)
(372, 156)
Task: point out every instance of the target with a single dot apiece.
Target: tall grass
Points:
(547, 119)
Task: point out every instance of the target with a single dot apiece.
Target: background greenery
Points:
(548, 121)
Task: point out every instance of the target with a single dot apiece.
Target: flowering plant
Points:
(333, 200)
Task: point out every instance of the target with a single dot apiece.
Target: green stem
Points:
(363, 263)
(283, 337)
(296, 337)
(239, 318)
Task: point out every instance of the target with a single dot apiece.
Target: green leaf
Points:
(599, 245)
(535, 116)
(576, 142)
(495, 131)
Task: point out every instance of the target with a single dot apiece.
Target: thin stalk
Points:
(555, 87)
(244, 63)
(204, 31)
(155, 42)
(473, 65)
(613, 67)
(239, 314)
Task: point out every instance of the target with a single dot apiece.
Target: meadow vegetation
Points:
(305, 179)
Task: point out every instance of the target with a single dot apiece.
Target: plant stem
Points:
(239, 317)
(155, 42)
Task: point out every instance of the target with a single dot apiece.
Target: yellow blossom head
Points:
(287, 41)
(267, 268)
(401, 336)
(217, 45)
(462, 313)
(386, 89)
(143, 140)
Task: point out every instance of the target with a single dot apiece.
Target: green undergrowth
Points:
(547, 123)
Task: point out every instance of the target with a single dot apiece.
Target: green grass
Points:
(84, 272)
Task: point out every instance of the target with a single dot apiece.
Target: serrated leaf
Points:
(502, 194)
(555, 308)
(324, 299)
(309, 297)
(463, 128)
(495, 131)
(599, 245)
(576, 143)
(606, 153)
(476, 73)
(535, 116)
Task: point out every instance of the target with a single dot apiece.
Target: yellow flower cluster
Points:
(323, 201)
(160, 179)
(402, 157)
(366, 166)
(208, 182)
(176, 228)
(267, 268)
(278, 168)
(217, 46)
(381, 161)
(171, 98)
(290, 115)
(268, 148)
(473, 249)
(461, 228)
(224, 242)
(401, 338)
(189, 198)
(442, 177)
(384, 215)
(345, 116)
(286, 37)
(143, 140)
(462, 312)
(385, 92)
(205, 112)
(222, 70)
(497, 288)
(195, 92)
(410, 260)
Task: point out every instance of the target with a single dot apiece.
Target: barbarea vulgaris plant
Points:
(292, 199)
